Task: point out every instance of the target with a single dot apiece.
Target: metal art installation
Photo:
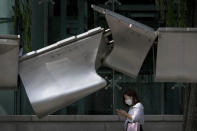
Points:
(9, 53)
(132, 41)
(62, 73)
(176, 55)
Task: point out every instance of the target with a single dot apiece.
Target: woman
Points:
(135, 115)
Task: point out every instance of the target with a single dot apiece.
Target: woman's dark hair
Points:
(132, 94)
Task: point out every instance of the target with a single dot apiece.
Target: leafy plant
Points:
(183, 13)
(172, 15)
(22, 22)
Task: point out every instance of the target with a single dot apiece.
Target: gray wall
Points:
(86, 123)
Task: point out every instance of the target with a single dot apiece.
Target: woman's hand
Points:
(122, 112)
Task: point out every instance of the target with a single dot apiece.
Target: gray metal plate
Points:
(177, 55)
(132, 42)
(62, 73)
(9, 52)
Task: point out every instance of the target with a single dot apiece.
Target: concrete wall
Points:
(86, 123)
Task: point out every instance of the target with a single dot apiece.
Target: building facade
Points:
(54, 21)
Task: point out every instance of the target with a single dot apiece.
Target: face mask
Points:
(128, 102)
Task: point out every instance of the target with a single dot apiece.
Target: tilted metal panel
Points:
(176, 55)
(62, 73)
(9, 53)
(132, 41)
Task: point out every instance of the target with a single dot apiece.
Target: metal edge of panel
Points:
(178, 79)
(9, 36)
(61, 43)
(134, 25)
(15, 38)
(99, 9)
(171, 29)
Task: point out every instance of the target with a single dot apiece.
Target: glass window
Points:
(6, 21)
(7, 102)
(174, 98)
(72, 8)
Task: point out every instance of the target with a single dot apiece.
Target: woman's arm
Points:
(124, 113)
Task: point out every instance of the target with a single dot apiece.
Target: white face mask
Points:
(129, 101)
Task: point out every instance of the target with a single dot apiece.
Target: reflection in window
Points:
(57, 8)
(72, 8)
(174, 99)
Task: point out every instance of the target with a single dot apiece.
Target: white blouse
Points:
(137, 112)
